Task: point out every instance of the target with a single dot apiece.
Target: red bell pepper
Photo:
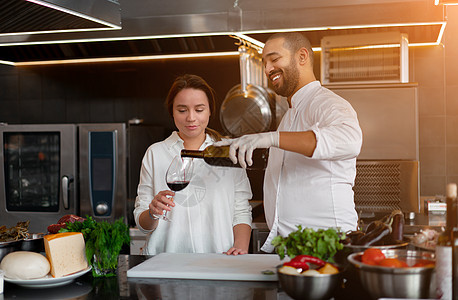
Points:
(303, 261)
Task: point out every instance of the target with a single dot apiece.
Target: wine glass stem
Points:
(164, 215)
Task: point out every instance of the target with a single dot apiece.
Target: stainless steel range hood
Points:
(26, 17)
(154, 27)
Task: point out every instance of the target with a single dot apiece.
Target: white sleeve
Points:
(146, 190)
(242, 208)
(337, 132)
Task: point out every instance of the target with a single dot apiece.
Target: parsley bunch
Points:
(322, 243)
(103, 242)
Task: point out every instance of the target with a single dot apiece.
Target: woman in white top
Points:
(212, 214)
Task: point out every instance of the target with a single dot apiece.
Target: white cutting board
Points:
(213, 266)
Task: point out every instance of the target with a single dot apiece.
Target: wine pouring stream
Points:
(178, 176)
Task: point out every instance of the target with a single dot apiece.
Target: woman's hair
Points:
(189, 81)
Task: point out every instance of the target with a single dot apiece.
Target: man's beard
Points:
(290, 78)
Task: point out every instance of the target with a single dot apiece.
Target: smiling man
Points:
(312, 160)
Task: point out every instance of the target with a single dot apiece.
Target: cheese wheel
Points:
(25, 265)
(66, 252)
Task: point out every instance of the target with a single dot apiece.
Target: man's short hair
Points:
(293, 41)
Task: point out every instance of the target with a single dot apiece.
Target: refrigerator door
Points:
(38, 174)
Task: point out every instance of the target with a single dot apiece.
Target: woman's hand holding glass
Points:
(161, 203)
(177, 178)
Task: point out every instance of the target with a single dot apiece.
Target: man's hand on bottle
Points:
(241, 149)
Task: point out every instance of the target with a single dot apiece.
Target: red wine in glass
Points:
(177, 185)
(178, 176)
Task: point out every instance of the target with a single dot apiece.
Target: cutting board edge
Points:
(202, 276)
(146, 269)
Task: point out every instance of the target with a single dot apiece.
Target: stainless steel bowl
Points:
(7, 247)
(385, 282)
(318, 287)
(360, 248)
(33, 243)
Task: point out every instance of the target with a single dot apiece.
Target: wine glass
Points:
(178, 176)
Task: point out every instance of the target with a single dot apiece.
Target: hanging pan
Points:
(246, 108)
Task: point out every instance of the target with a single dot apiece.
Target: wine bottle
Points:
(219, 156)
(444, 247)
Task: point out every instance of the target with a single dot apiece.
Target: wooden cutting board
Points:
(213, 266)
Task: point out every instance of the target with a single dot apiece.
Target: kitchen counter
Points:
(121, 287)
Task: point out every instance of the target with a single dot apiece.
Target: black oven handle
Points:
(65, 183)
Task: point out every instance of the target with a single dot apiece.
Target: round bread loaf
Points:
(25, 265)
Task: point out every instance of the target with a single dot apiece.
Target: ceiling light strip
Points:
(442, 2)
(155, 57)
(344, 27)
(57, 31)
(128, 58)
(68, 11)
(113, 39)
(250, 40)
(151, 57)
(4, 62)
(244, 33)
(441, 33)
(437, 42)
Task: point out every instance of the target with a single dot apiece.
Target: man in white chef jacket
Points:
(312, 160)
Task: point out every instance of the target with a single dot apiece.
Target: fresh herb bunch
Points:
(103, 242)
(322, 243)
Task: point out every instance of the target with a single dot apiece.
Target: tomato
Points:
(392, 263)
(423, 263)
(372, 256)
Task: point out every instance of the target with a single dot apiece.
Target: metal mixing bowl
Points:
(385, 282)
(360, 248)
(318, 287)
(7, 247)
(34, 243)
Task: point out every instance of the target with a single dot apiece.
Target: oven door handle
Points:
(65, 184)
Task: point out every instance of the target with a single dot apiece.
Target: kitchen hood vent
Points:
(25, 17)
(201, 26)
(365, 58)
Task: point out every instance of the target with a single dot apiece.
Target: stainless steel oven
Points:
(49, 170)
(37, 174)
